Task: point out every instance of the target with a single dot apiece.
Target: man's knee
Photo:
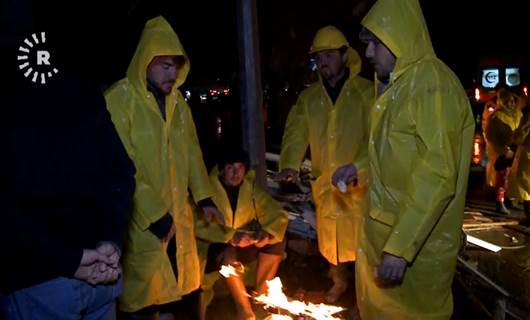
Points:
(228, 255)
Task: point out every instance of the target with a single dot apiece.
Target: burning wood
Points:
(275, 298)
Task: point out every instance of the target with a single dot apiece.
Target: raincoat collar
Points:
(158, 39)
(400, 25)
(334, 92)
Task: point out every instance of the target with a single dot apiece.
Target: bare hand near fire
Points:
(262, 239)
(242, 239)
(212, 214)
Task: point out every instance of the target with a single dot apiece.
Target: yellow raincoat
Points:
(499, 136)
(252, 204)
(420, 152)
(519, 183)
(168, 161)
(337, 135)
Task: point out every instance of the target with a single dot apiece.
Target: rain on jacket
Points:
(420, 152)
(499, 136)
(337, 135)
(168, 161)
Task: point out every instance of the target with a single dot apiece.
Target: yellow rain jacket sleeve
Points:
(337, 135)
(168, 161)
(420, 151)
(253, 203)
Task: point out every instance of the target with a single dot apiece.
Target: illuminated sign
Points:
(512, 77)
(490, 78)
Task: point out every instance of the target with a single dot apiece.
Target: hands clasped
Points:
(100, 265)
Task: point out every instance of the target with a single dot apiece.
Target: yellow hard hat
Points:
(328, 38)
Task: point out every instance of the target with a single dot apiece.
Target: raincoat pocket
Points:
(385, 217)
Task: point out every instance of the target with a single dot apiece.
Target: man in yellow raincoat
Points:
(255, 226)
(161, 264)
(499, 138)
(519, 180)
(421, 134)
(331, 117)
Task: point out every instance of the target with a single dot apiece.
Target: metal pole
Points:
(251, 91)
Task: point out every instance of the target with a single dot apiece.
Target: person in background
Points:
(519, 180)
(500, 144)
(331, 118)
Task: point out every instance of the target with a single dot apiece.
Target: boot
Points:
(266, 270)
(501, 208)
(338, 274)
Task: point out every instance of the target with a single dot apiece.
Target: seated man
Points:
(254, 227)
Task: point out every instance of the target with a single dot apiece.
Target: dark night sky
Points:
(108, 30)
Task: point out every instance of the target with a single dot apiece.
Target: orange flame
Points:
(280, 317)
(275, 298)
(228, 271)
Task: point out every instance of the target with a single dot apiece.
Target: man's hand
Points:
(242, 240)
(112, 252)
(286, 175)
(392, 269)
(211, 213)
(262, 238)
(343, 176)
(94, 268)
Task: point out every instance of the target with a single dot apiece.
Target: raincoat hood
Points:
(400, 25)
(158, 39)
(328, 38)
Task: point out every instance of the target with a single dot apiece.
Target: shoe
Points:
(501, 208)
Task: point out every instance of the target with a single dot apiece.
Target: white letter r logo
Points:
(43, 57)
